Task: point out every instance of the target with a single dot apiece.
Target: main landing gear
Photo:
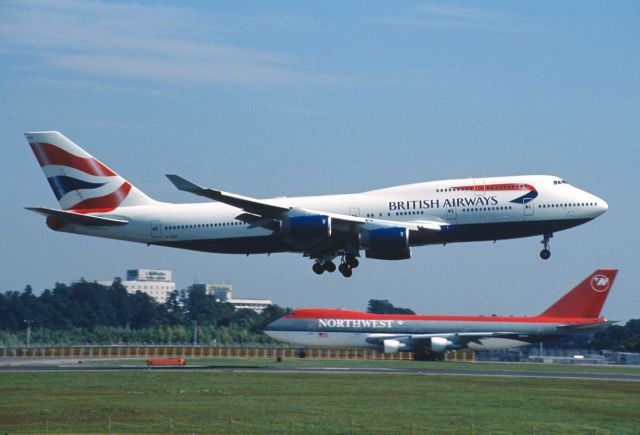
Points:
(545, 253)
(348, 263)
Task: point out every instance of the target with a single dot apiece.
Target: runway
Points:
(477, 372)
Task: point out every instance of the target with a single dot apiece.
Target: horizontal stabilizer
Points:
(77, 218)
(586, 326)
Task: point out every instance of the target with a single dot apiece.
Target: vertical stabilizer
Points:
(80, 182)
(586, 299)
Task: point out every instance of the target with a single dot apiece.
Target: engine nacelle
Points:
(402, 254)
(441, 344)
(394, 346)
(307, 226)
(394, 239)
(391, 346)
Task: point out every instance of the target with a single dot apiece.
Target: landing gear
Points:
(325, 264)
(345, 270)
(545, 253)
(351, 261)
(318, 268)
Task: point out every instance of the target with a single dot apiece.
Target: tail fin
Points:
(586, 299)
(79, 181)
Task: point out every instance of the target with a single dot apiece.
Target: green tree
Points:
(383, 306)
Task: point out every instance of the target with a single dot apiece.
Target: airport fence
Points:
(222, 352)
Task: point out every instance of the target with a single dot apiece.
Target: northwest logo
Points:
(354, 323)
(600, 283)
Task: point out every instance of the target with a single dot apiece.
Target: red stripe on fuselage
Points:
(497, 187)
(313, 313)
(103, 204)
(48, 154)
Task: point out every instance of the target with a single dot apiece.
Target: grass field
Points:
(228, 402)
(431, 365)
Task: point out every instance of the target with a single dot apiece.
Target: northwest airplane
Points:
(577, 312)
(384, 223)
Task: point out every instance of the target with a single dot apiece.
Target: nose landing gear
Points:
(545, 253)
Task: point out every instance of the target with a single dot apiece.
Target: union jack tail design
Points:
(80, 182)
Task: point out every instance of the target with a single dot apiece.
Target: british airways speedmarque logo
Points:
(82, 184)
(600, 283)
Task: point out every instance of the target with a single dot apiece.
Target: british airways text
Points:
(420, 204)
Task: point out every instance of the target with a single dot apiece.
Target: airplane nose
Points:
(602, 205)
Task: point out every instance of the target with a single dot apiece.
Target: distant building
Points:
(155, 283)
(223, 293)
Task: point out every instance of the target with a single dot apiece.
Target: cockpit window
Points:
(559, 182)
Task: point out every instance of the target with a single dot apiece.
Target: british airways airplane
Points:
(576, 313)
(384, 223)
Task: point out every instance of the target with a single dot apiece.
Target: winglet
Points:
(183, 184)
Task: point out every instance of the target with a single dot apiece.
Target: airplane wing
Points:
(77, 218)
(254, 206)
(469, 336)
(264, 211)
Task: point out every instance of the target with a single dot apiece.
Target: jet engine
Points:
(307, 226)
(441, 344)
(387, 243)
(394, 346)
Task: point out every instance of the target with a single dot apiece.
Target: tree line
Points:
(87, 312)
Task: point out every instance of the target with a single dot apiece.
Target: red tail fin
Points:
(586, 299)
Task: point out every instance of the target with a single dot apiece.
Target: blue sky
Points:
(297, 98)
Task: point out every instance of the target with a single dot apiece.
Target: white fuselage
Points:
(483, 209)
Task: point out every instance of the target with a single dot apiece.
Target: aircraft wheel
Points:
(345, 270)
(330, 266)
(317, 268)
(545, 254)
(352, 261)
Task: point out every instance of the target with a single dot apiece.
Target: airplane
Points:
(384, 223)
(575, 313)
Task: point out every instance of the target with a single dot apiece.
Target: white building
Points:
(155, 283)
(223, 293)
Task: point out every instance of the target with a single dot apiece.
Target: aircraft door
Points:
(156, 229)
(354, 211)
(528, 207)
